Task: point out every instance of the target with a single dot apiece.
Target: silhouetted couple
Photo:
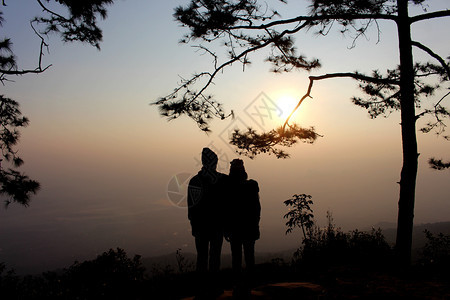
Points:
(221, 206)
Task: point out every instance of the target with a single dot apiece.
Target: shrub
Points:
(330, 245)
(436, 252)
(110, 275)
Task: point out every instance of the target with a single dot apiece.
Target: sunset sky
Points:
(108, 163)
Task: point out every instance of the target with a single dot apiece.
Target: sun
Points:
(286, 104)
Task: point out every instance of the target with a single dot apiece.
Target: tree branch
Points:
(44, 8)
(443, 97)
(22, 72)
(317, 18)
(175, 109)
(436, 14)
(355, 75)
(250, 50)
(38, 69)
(434, 55)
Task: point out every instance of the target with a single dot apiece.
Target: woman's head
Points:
(237, 169)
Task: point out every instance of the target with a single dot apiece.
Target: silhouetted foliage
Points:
(436, 253)
(9, 283)
(201, 111)
(343, 265)
(73, 21)
(183, 264)
(80, 24)
(300, 214)
(334, 247)
(331, 246)
(251, 143)
(111, 275)
(438, 164)
(16, 187)
(325, 247)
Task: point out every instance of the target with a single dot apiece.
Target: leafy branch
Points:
(438, 164)
(251, 143)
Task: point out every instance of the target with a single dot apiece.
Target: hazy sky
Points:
(108, 163)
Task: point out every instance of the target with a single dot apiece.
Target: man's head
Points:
(209, 159)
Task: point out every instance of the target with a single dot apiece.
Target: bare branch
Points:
(361, 32)
(200, 47)
(22, 72)
(439, 102)
(44, 8)
(434, 55)
(38, 69)
(355, 75)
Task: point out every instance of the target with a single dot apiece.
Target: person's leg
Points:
(215, 251)
(201, 244)
(236, 260)
(249, 254)
(236, 255)
(248, 277)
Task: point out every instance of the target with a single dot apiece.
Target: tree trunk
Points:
(409, 141)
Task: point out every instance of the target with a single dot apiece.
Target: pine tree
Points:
(247, 26)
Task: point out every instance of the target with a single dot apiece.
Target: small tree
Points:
(300, 215)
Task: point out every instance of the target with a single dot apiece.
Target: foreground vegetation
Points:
(335, 264)
(329, 264)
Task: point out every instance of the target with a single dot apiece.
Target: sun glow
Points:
(286, 104)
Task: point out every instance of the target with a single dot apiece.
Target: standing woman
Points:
(242, 224)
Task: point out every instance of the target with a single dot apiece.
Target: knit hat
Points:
(209, 158)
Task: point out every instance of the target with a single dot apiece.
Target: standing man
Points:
(205, 208)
